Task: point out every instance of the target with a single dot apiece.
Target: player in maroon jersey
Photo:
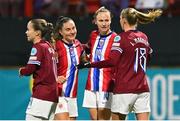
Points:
(42, 65)
(129, 55)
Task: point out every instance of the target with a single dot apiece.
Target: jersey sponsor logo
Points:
(33, 51)
(117, 38)
(101, 42)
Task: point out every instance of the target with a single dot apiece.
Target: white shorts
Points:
(41, 108)
(97, 99)
(67, 104)
(125, 103)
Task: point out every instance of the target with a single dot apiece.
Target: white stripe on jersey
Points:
(117, 48)
(33, 58)
(116, 44)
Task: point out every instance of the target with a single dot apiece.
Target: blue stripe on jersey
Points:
(96, 74)
(72, 72)
(70, 81)
(97, 57)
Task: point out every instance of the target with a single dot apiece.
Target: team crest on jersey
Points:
(101, 42)
(33, 51)
(117, 38)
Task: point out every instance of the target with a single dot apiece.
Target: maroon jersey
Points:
(129, 54)
(45, 73)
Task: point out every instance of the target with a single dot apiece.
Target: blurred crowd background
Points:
(14, 15)
(81, 8)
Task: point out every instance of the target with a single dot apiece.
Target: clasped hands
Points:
(61, 79)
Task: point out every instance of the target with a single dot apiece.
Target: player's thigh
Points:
(142, 116)
(118, 116)
(104, 114)
(61, 116)
(93, 113)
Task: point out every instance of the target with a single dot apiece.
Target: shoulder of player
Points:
(112, 34)
(77, 43)
(59, 44)
(94, 32)
(117, 38)
(144, 35)
(43, 45)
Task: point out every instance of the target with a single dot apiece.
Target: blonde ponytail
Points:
(134, 16)
(145, 18)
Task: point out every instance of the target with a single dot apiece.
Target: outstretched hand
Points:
(83, 65)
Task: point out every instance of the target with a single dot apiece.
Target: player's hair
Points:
(59, 25)
(134, 16)
(44, 27)
(101, 9)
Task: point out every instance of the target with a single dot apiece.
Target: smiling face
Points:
(68, 31)
(103, 21)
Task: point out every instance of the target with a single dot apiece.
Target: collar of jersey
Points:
(68, 44)
(106, 34)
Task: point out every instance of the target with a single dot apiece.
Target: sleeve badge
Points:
(33, 51)
(117, 38)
